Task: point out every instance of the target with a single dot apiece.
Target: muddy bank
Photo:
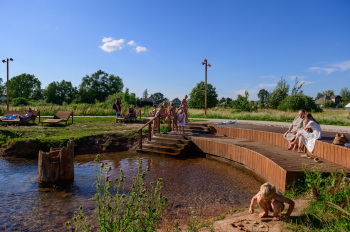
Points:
(82, 145)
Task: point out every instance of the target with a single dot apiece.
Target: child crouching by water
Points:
(271, 200)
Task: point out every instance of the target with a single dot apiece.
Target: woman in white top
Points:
(310, 133)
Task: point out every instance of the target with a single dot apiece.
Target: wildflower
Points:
(72, 229)
(107, 177)
(143, 173)
(122, 229)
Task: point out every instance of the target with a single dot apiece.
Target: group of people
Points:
(304, 130)
(178, 118)
(118, 109)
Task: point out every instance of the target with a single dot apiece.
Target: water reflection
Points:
(211, 186)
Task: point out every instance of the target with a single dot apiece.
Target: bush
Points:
(343, 104)
(328, 104)
(299, 101)
(20, 101)
(118, 209)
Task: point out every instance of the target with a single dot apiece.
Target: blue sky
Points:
(250, 44)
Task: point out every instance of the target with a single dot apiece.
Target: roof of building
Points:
(325, 98)
(348, 105)
(175, 99)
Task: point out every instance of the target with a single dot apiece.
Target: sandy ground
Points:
(252, 222)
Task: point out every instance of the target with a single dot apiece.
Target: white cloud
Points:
(269, 76)
(342, 66)
(320, 70)
(110, 44)
(267, 85)
(307, 82)
(141, 49)
(132, 43)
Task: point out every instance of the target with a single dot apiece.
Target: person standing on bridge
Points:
(297, 124)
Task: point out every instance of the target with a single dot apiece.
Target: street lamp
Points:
(205, 103)
(7, 61)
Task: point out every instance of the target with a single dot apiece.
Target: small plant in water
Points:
(138, 211)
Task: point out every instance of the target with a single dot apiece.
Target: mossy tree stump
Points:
(57, 165)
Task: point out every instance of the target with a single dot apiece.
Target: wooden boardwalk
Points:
(263, 149)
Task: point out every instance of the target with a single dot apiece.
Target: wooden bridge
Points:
(259, 148)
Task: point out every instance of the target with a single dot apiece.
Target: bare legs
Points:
(186, 118)
(277, 208)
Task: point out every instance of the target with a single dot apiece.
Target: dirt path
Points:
(252, 222)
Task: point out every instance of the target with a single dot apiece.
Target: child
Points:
(181, 119)
(269, 199)
(173, 116)
(153, 112)
(155, 121)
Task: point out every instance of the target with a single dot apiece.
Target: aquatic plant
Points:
(139, 210)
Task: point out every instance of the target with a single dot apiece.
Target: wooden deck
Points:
(263, 149)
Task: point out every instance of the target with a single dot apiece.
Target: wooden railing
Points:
(149, 124)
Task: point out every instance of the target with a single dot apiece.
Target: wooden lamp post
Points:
(205, 102)
(7, 61)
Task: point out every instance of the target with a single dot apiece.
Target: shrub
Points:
(137, 211)
(343, 104)
(328, 104)
(299, 101)
(20, 101)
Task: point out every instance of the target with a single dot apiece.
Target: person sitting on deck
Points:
(131, 113)
(308, 135)
(271, 200)
(27, 116)
(153, 112)
(297, 125)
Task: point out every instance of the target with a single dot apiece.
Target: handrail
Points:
(151, 120)
(149, 129)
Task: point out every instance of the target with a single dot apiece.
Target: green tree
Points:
(228, 100)
(59, 92)
(99, 86)
(328, 104)
(222, 100)
(263, 96)
(242, 102)
(158, 97)
(25, 86)
(297, 87)
(279, 93)
(197, 96)
(345, 94)
(2, 86)
(299, 101)
(145, 95)
(324, 93)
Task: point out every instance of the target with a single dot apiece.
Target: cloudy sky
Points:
(159, 45)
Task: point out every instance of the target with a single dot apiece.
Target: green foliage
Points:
(144, 95)
(343, 104)
(25, 86)
(325, 93)
(197, 96)
(299, 101)
(138, 210)
(20, 101)
(328, 104)
(278, 94)
(99, 86)
(242, 103)
(330, 208)
(297, 87)
(345, 94)
(263, 96)
(2, 86)
(59, 92)
(158, 97)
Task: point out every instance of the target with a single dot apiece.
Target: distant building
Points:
(335, 98)
(150, 99)
(177, 102)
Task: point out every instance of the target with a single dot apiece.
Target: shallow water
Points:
(211, 186)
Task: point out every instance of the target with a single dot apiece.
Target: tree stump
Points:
(57, 165)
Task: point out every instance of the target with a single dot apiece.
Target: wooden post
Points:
(72, 117)
(149, 132)
(140, 139)
(158, 121)
(169, 124)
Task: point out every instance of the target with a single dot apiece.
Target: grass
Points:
(327, 117)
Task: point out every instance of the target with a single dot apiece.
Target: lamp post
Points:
(205, 102)
(7, 61)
